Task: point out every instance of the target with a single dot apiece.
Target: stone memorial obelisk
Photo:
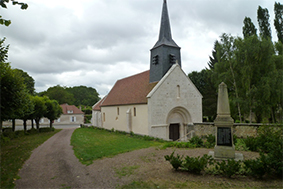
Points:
(224, 148)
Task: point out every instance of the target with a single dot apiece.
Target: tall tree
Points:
(278, 20)
(83, 95)
(263, 22)
(249, 28)
(28, 81)
(213, 59)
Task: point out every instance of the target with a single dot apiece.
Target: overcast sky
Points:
(96, 42)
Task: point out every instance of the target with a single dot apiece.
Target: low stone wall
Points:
(239, 129)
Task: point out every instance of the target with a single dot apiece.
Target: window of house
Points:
(135, 111)
(58, 120)
(70, 111)
(73, 119)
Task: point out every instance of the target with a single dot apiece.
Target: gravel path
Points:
(54, 165)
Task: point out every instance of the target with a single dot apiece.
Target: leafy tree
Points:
(3, 51)
(14, 96)
(53, 110)
(39, 109)
(213, 59)
(278, 21)
(3, 5)
(84, 95)
(249, 28)
(203, 82)
(60, 94)
(263, 22)
(28, 81)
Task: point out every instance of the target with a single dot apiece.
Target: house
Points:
(71, 115)
(161, 102)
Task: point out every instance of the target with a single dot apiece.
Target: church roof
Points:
(98, 104)
(130, 90)
(165, 36)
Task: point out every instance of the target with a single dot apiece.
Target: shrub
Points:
(255, 167)
(228, 168)
(46, 129)
(176, 162)
(32, 131)
(197, 141)
(196, 164)
(251, 143)
(210, 141)
(241, 145)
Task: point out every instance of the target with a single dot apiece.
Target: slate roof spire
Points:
(165, 36)
(165, 52)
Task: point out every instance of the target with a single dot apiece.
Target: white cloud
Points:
(96, 42)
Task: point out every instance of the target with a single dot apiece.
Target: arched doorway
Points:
(177, 120)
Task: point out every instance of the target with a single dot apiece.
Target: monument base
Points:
(238, 156)
(227, 152)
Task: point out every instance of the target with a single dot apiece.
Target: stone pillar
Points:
(224, 147)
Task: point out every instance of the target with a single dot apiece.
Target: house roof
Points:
(70, 108)
(130, 90)
(98, 104)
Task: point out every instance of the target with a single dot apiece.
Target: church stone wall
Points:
(173, 91)
(129, 118)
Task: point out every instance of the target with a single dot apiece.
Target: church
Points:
(161, 102)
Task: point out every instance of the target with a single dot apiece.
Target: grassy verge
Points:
(15, 152)
(90, 144)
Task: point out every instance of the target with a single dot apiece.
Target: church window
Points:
(178, 91)
(103, 116)
(155, 60)
(135, 111)
(172, 58)
(118, 111)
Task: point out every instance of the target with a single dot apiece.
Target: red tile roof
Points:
(70, 108)
(130, 90)
(98, 104)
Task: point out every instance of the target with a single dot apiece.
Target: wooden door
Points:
(174, 131)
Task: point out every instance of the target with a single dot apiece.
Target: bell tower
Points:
(165, 52)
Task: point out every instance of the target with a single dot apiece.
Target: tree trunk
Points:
(13, 125)
(32, 125)
(25, 125)
(1, 125)
(37, 124)
(51, 121)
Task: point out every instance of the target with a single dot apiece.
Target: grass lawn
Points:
(91, 143)
(15, 152)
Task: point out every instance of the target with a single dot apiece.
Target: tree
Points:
(213, 59)
(3, 50)
(83, 95)
(3, 5)
(249, 28)
(278, 21)
(39, 109)
(28, 81)
(53, 110)
(263, 22)
(203, 82)
(60, 94)
(14, 96)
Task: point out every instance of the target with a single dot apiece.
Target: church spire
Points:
(165, 36)
(165, 52)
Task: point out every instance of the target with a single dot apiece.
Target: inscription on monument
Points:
(224, 137)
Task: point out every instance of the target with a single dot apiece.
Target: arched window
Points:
(178, 91)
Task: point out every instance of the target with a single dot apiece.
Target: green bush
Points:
(197, 141)
(256, 167)
(241, 145)
(32, 131)
(210, 141)
(176, 162)
(251, 143)
(196, 164)
(46, 129)
(228, 168)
